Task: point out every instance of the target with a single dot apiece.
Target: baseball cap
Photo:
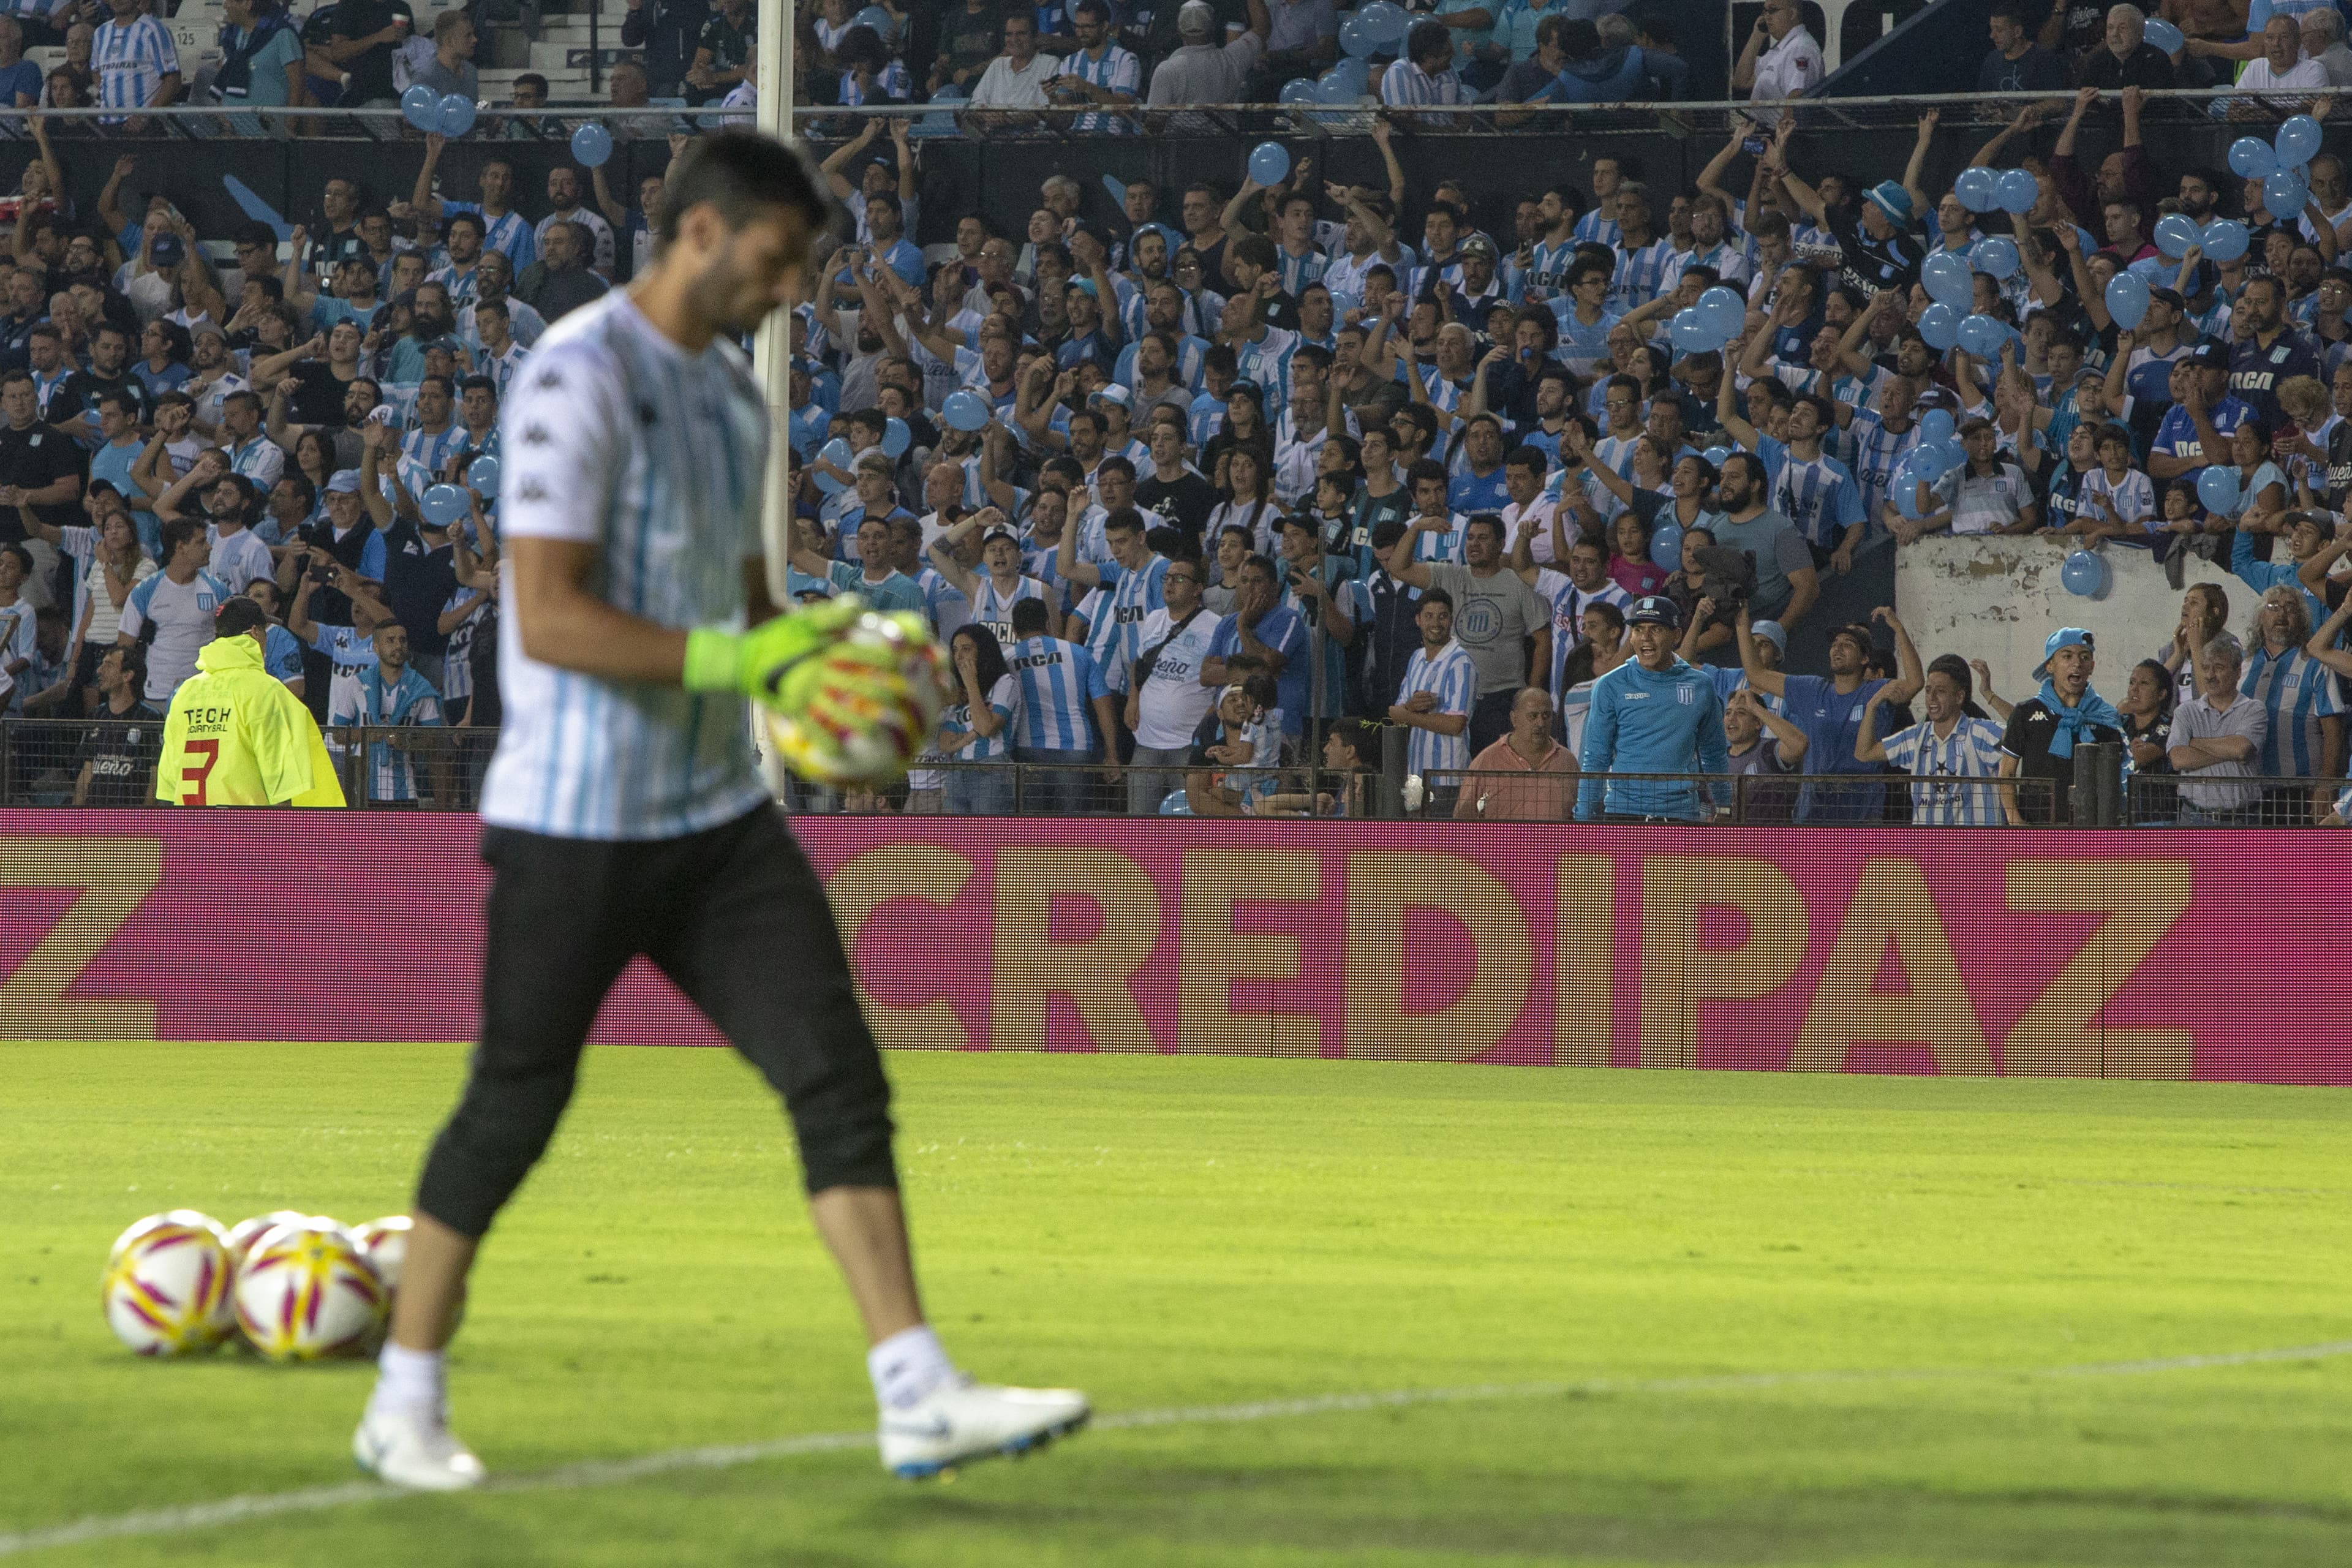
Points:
(2170, 297)
(1657, 610)
(2215, 354)
(1478, 245)
(169, 250)
(1198, 19)
(1109, 394)
(1773, 633)
(2065, 636)
(345, 482)
(1889, 197)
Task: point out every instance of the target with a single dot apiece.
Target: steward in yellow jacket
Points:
(235, 736)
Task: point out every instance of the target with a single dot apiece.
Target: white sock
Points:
(410, 1380)
(908, 1366)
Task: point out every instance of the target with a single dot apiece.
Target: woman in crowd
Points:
(978, 730)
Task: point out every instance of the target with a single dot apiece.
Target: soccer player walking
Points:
(622, 813)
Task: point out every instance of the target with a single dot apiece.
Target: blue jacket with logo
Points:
(1642, 721)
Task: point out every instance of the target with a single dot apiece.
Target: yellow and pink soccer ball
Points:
(306, 1291)
(168, 1285)
(867, 706)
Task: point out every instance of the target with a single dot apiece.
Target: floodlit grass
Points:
(1182, 1232)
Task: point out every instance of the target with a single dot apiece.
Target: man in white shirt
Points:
(1166, 701)
(1781, 60)
(2283, 66)
(1016, 78)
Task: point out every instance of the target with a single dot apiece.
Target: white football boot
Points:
(962, 1420)
(412, 1448)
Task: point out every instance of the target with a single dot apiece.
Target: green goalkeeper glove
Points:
(755, 662)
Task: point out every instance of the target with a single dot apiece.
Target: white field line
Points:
(615, 1472)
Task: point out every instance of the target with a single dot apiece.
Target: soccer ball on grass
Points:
(167, 1284)
(306, 1290)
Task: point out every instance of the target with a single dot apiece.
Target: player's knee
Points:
(844, 1132)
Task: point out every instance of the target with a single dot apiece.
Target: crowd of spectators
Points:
(1241, 478)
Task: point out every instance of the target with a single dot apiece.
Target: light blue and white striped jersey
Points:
(2296, 691)
(1640, 275)
(132, 60)
(510, 232)
(1820, 497)
(1582, 347)
(1547, 264)
(182, 615)
(81, 545)
(1115, 637)
(1005, 697)
(992, 606)
(411, 699)
(1206, 417)
(458, 658)
(1439, 544)
(459, 284)
(1117, 70)
(1299, 271)
(1058, 680)
(1972, 750)
(19, 639)
(1569, 603)
(1876, 451)
(944, 605)
(1454, 680)
(1344, 273)
(1266, 362)
(431, 449)
(1593, 228)
(617, 438)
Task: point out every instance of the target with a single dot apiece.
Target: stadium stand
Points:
(1585, 317)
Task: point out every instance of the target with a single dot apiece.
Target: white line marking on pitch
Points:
(617, 1472)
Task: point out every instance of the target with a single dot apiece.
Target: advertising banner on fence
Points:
(2155, 954)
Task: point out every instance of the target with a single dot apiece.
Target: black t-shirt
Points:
(82, 390)
(371, 71)
(1871, 265)
(2148, 65)
(121, 750)
(1186, 503)
(2030, 730)
(35, 458)
(319, 399)
(2035, 70)
(2255, 371)
(418, 581)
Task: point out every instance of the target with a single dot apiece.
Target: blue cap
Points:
(2065, 636)
(1657, 610)
(1773, 633)
(1889, 197)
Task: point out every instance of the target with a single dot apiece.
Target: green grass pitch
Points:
(1919, 1257)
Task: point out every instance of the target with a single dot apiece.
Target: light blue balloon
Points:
(1358, 38)
(2084, 574)
(1331, 90)
(1909, 475)
(2019, 192)
(2217, 487)
(2225, 239)
(443, 505)
(1389, 21)
(966, 411)
(1945, 455)
(483, 475)
(1997, 257)
(1690, 334)
(1981, 336)
(2284, 193)
(1949, 279)
(895, 437)
(2128, 299)
(1936, 427)
(2251, 157)
(1941, 325)
(1717, 457)
(1355, 73)
(836, 452)
(2174, 233)
(878, 19)
(2163, 34)
(1978, 188)
(1268, 163)
(591, 147)
(1724, 309)
(2297, 141)
(2257, 15)
(421, 107)
(456, 115)
(1666, 547)
(1298, 89)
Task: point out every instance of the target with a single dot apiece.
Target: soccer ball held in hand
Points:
(858, 709)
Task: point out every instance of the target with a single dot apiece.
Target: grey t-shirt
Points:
(2197, 721)
(1493, 618)
(1778, 550)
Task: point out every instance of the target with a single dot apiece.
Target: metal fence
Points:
(95, 764)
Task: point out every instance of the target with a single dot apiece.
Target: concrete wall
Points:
(1997, 599)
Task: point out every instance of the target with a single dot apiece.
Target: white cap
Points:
(1198, 19)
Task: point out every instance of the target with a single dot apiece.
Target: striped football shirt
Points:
(617, 438)
(1059, 681)
(1454, 680)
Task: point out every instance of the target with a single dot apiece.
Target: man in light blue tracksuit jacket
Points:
(1652, 714)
